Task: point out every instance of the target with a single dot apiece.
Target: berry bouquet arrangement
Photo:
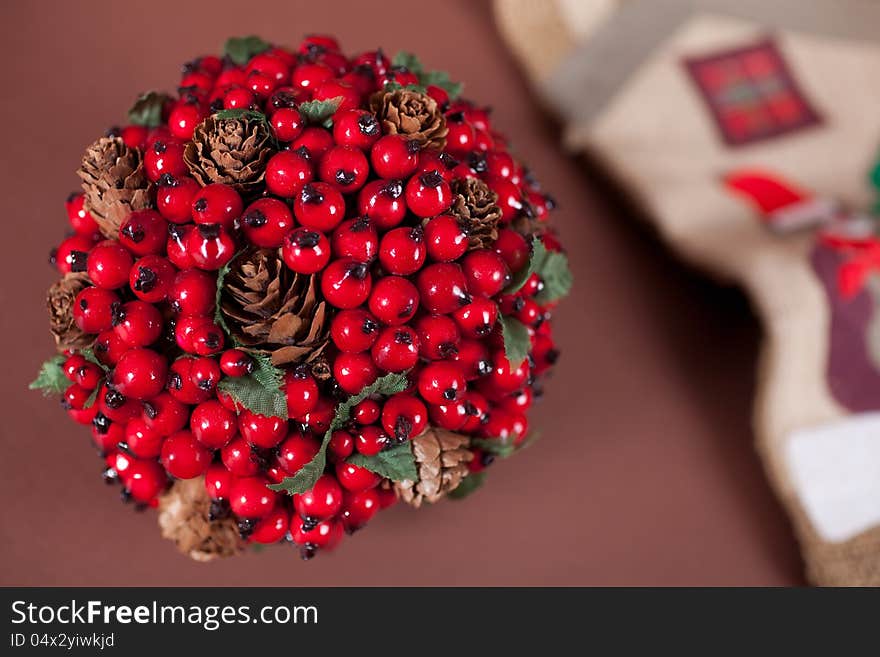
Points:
(305, 286)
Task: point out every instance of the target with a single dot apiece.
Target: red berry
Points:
(261, 430)
(438, 336)
(346, 283)
(193, 293)
(183, 457)
(141, 440)
(134, 136)
(144, 233)
(446, 239)
(359, 508)
(287, 172)
(354, 330)
(383, 203)
(239, 458)
(404, 416)
(357, 128)
(88, 375)
(355, 478)
(441, 382)
(72, 254)
(151, 278)
(75, 397)
(322, 501)
(396, 349)
(140, 373)
(353, 372)
(265, 222)
(513, 249)
(318, 419)
(207, 339)
(235, 363)
(341, 445)
(205, 373)
(504, 378)
(116, 406)
(272, 528)
(442, 288)
(477, 407)
(313, 142)
(212, 424)
(144, 480)
(394, 300)
(403, 250)
(238, 98)
(451, 416)
(176, 246)
(395, 156)
(93, 309)
(185, 328)
(217, 204)
(319, 206)
(477, 319)
(287, 123)
(250, 498)
(370, 440)
(310, 74)
(184, 119)
(509, 198)
(108, 265)
(460, 138)
(356, 238)
(210, 246)
(164, 156)
(428, 194)
(485, 271)
(296, 451)
(305, 251)
(218, 481)
(181, 385)
(301, 391)
(346, 167)
(71, 366)
(165, 414)
(324, 536)
(80, 220)
(366, 412)
(109, 347)
(137, 323)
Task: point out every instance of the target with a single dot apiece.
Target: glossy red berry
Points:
(207, 339)
(109, 347)
(513, 249)
(305, 251)
(354, 330)
(165, 414)
(218, 481)
(287, 173)
(442, 288)
(345, 167)
(93, 309)
(450, 416)
(140, 373)
(250, 498)
(446, 240)
(301, 391)
(428, 194)
(144, 480)
(393, 300)
(235, 363)
(314, 141)
(366, 412)
(263, 431)
(355, 478)
(210, 246)
(371, 440)
(357, 128)
(108, 265)
(394, 156)
(505, 378)
(319, 206)
(346, 283)
(441, 382)
(217, 204)
(323, 536)
(137, 323)
(240, 458)
(383, 202)
(72, 254)
(212, 424)
(88, 375)
(183, 457)
(183, 120)
(404, 416)
(272, 528)
(357, 239)
(80, 220)
(144, 233)
(75, 397)
(359, 508)
(71, 366)
(116, 406)
(438, 336)
(265, 222)
(141, 440)
(180, 384)
(176, 246)
(239, 98)
(310, 74)
(396, 349)
(297, 450)
(403, 250)
(151, 278)
(164, 156)
(477, 319)
(193, 293)
(287, 123)
(354, 372)
(322, 501)
(485, 272)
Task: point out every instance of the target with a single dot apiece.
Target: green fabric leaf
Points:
(516, 340)
(305, 478)
(536, 260)
(219, 319)
(260, 391)
(395, 463)
(394, 86)
(468, 485)
(92, 398)
(555, 273)
(89, 355)
(147, 109)
(241, 49)
(441, 79)
(239, 113)
(51, 379)
(409, 61)
(319, 111)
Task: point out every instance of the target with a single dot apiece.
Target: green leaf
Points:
(89, 354)
(516, 340)
(395, 463)
(536, 260)
(240, 113)
(219, 319)
(556, 274)
(394, 86)
(441, 79)
(147, 109)
(51, 379)
(468, 485)
(241, 49)
(259, 392)
(500, 447)
(306, 477)
(91, 400)
(319, 111)
(408, 61)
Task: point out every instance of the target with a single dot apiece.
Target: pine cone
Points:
(184, 518)
(412, 114)
(114, 182)
(273, 310)
(60, 300)
(230, 151)
(476, 206)
(441, 458)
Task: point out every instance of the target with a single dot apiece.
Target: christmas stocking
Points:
(745, 130)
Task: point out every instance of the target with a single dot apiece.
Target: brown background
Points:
(645, 474)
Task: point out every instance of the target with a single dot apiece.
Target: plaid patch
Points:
(751, 93)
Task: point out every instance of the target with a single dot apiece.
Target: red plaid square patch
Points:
(751, 93)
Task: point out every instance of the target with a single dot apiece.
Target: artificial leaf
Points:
(260, 392)
(501, 447)
(306, 476)
(468, 485)
(394, 86)
(319, 111)
(92, 398)
(147, 109)
(240, 113)
(241, 49)
(556, 275)
(219, 319)
(89, 355)
(516, 340)
(536, 260)
(407, 60)
(395, 463)
(441, 79)
(51, 379)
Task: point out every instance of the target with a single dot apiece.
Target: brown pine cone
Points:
(184, 517)
(114, 182)
(230, 151)
(60, 300)
(414, 115)
(273, 310)
(441, 459)
(476, 206)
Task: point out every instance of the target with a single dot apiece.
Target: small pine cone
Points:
(59, 300)
(414, 115)
(184, 518)
(230, 151)
(273, 310)
(114, 182)
(441, 459)
(476, 207)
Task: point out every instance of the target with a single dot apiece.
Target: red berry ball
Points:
(108, 265)
(366, 412)
(297, 450)
(194, 293)
(218, 481)
(212, 424)
(322, 501)
(370, 440)
(183, 457)
(346, 167)
(359, 508)
(250, 498)
(151, 278)
(428, 194)
(403, 250)
(305, 251)
(80, 220)
(395, 156)
(144, 233)
(261, 431)
(176, 246)
(144, 480)
(140, 373)
(235, 363)
(354, 330)
(137, 323)
(272, 528)
(513, 249)
(93, 309)
(287, 123)
(357, 128)
(165, 414)
(319, 206)
(355, 478)
(404, 416)
(164, 156)
(141, 440)
(446, 239)
(485, 271)
(240, 458)
(396, 349)
(301, 391)
(438, 336)
(341, 445)
(353, 372)
(477, 319)
(217, 204)
(346, 283)
(313, 142)
(441, 382)
(442, 288)
(210, 246)
(357, 239)
(265, 222)
(183, 120)
(382, 201)
(72, 254)
(287, 173)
